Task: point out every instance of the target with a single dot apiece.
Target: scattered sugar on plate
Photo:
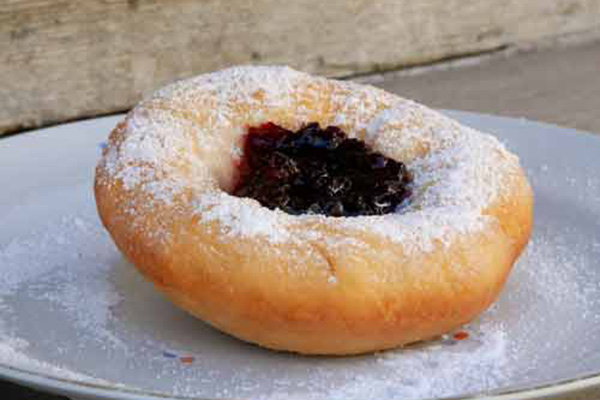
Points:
(12, 353)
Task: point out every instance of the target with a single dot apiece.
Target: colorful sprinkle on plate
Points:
(168, 354)
(461, 335)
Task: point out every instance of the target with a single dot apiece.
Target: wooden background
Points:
(65, 59)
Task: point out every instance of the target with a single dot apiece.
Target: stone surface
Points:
(65, 59)
(557, 86)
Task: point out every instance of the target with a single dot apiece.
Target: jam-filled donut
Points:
(312, 215)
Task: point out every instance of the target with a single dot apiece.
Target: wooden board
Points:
(67, 59)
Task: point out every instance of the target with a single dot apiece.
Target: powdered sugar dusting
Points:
(241, 216)
(50, 266)
(485, 365)
(12, 353)
(187, 136)
(421, 229)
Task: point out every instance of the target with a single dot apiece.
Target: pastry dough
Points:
(310, 283)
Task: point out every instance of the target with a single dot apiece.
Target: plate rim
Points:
(68, 387)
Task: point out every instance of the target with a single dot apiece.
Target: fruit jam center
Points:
(319, 171)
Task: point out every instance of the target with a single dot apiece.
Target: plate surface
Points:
(76, 319)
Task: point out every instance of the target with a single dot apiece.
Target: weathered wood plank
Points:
(65, 59)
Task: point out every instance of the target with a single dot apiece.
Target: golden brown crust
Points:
(254, 288)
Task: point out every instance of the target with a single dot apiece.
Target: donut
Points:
(311, 282)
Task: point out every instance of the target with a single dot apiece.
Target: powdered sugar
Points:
(50, 267)
(12, 352)
(243, 217)
(187, 136)
(421, 229)
(404, 374)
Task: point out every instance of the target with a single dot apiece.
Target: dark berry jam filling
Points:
(319, 171)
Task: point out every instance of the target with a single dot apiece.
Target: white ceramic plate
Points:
(77, 320)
